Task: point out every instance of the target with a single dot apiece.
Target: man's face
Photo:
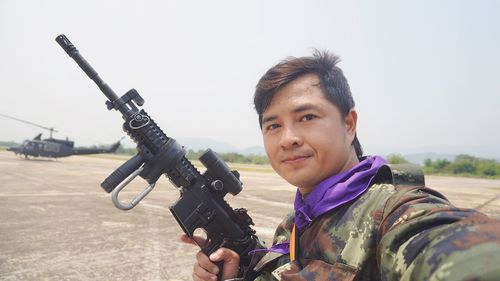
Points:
(305, 136)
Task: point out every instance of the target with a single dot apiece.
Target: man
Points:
(355, 218)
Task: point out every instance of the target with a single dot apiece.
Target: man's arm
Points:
(424, 237)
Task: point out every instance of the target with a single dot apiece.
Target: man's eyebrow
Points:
(269, 119)
(298, 109)
(305, 107)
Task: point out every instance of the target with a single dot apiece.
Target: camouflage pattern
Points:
(391, 232)
(400, 174)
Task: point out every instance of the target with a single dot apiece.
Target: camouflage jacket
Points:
(397, 230)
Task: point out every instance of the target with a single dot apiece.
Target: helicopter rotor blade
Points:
(30, 123)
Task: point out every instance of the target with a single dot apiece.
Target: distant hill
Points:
(218, 146)
(253, 150)
(417, 155)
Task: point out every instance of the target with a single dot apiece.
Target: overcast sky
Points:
(424, 74)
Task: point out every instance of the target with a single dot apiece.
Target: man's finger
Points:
(231, 262)
(204, 269)
(197, 240)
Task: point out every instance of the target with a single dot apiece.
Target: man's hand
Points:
(205, 267)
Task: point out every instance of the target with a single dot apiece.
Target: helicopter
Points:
(52, 147)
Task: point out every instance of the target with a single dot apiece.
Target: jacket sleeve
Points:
(424, 237)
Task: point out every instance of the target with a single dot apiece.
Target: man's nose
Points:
(290, 138)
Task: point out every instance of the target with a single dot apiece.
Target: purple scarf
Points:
(331, 193)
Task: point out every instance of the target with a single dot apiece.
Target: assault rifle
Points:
(201, 204)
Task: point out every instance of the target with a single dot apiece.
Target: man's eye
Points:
(307, 117)
(272, 127)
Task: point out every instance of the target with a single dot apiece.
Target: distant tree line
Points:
(231, 157)
(126, 151)
(462, 165)
(8, 143)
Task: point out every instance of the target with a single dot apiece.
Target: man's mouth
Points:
(294, 159)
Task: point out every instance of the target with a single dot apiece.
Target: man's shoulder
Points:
(391, 186)
(400, 175)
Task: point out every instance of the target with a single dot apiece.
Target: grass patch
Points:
(264, 168)
(109, 156)
(474, 176)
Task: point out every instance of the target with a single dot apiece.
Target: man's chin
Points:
(297, 180)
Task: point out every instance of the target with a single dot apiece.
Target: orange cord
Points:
(292, 244)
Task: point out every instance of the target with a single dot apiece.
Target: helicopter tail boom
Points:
(83, 151)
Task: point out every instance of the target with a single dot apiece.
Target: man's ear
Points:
(351, 120)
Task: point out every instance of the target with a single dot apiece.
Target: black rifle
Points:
(201, 204)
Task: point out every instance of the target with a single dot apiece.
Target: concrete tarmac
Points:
(56, 223)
